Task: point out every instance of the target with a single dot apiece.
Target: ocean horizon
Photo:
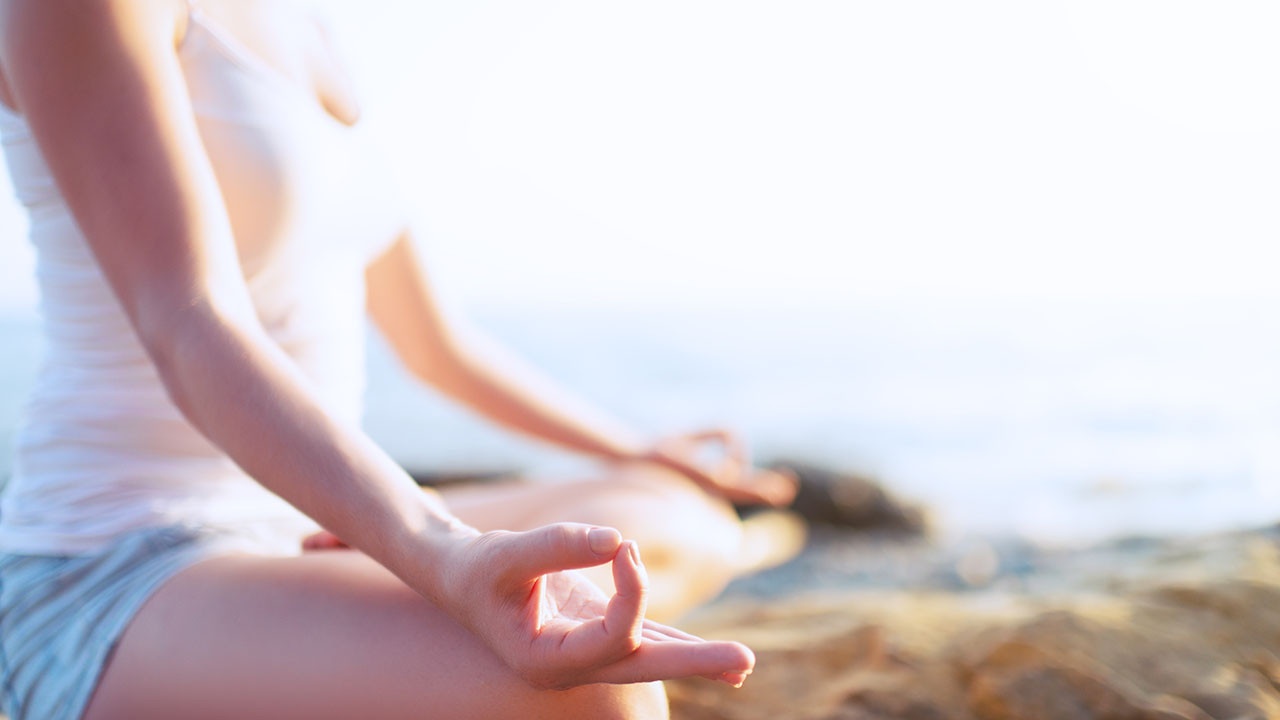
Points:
(1059, 422)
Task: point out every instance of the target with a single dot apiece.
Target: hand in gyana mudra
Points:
(718, 461)
(520, 594)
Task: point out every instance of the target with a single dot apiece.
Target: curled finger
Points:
(624, 617)
(618, 632)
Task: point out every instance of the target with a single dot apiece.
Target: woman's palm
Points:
(557, 629)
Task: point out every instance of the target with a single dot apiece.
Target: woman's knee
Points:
(697, 529)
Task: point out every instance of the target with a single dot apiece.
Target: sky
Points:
(819, 152)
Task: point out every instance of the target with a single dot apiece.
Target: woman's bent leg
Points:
(691, 542)
(325, 635)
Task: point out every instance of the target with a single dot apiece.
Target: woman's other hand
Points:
(323, 540)
(519, 592)
(718, 461)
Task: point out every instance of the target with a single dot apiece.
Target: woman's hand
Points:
(323, 540)
(730, 475)
(520, 594)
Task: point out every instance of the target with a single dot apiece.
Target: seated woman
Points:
(210, 230)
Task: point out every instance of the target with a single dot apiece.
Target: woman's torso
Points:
(101, 449)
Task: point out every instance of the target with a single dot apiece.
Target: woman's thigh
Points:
(639, 501)
(325, 635)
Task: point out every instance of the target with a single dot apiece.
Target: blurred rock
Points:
(1207, 649)
(848, 500)
(442, 477)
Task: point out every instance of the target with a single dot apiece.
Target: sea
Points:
(1062, 422)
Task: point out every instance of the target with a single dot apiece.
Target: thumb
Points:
(563, 546)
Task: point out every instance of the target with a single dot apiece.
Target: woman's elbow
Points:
(186, 341)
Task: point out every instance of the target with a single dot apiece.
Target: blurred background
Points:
(1014, 259)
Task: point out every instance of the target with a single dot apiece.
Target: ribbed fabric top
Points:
(101, 449)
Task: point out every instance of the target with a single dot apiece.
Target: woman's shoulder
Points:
(39, 38)
(63, 26)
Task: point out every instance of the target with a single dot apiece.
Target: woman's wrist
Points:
(658, 452)
(652, 454)
(424, 553)
(632, 449)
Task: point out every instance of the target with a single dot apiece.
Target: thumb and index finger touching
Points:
(732, 475)
(616, 642)
(617, 630)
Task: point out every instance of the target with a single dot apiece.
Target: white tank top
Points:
(101, 449)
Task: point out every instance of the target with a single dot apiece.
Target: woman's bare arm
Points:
(102, 89)
(459, 361)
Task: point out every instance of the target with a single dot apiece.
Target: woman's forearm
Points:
(243, 393)
(468, 367)
(480, 374)
(105, 96)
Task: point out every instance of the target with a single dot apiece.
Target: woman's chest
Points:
(289, 171)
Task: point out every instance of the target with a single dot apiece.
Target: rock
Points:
(442, 477)
(1205, 650)
(848, 500)
(1052, 693)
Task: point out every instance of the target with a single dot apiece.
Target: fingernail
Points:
(603, 541)
(634, 549)
(734, 679)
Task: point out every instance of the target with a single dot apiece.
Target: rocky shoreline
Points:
(878, 620)
(874, 628)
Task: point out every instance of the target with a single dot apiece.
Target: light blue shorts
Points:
(61, 616)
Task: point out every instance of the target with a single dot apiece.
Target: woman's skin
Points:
(431, 616)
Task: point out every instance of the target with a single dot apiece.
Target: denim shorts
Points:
(61, 616)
